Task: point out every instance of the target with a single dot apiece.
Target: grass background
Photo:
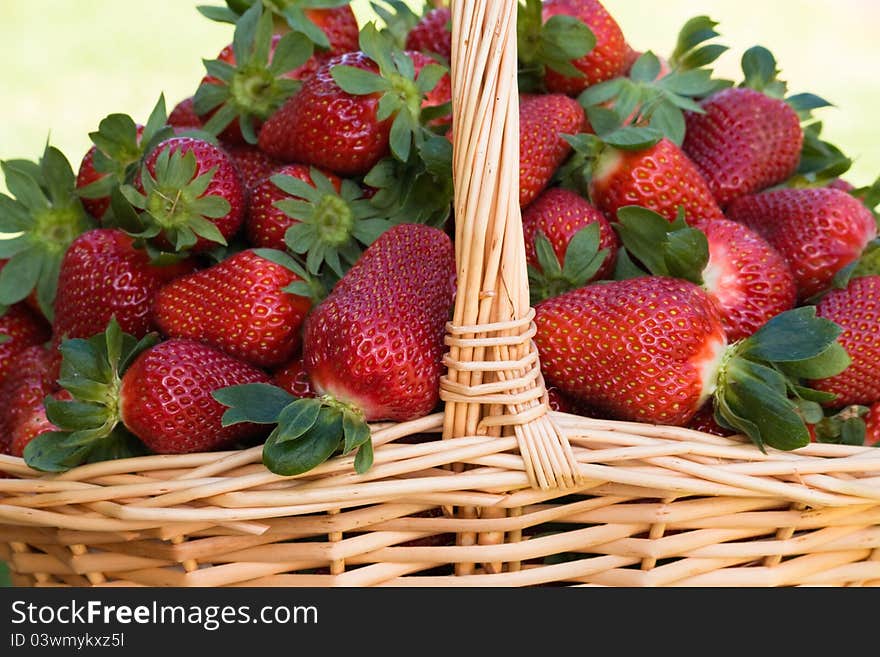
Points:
(68, 63)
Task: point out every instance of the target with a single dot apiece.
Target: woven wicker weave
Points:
(513, 495)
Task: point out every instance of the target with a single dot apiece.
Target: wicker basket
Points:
(513, 495)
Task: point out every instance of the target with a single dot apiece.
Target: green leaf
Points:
(603, 120)
(355, 431)
(246, 33)
(830, 362)
(853, 431)
(603, 92)
(429, 76)
(806, 102)
(20, 275)
(703, 56)
(401, 136)
(689, 83)
(792, 336)
(299, 456)
(646, 68)
(546, 255)
(377, 47)
(667, 118)
(219, 14)
(625, 269)
(25, 188)
(259, 403)
(291, 52)
(357, 81)
(364, 459)
(58, 176)
(76, 415)
(643, 233)
(687, 254)
(633, 139)
(48, 453)
(759, 68)
(297, 418)
(299, 22)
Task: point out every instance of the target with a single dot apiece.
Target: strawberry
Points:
(653, 349)
(841, 184)
(189, 195)
(749, 281)
(432, 35)
(857, 310)
(555, 219)
(373, 350)
(104, 276)
(247, 82)
(743, 142)
(183, 116)
(660, 177)
(818, 231)
(335, 121)
(239, 306)
(20, 328)
(294, 379)
(46, 216)
(24, 392)
(557, 401)
(131, 395)
(118, 152)
(872, 425)
(544, 118)
(704, 421)
(253, 165)
(606, 60)
(32, 423)
(339, 24)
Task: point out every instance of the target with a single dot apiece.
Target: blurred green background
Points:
(68, 63)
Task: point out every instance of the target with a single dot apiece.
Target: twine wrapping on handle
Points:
(494, 384)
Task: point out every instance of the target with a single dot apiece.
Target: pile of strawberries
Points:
(271, 262)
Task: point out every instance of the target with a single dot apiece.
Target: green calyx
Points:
(255, 87)
(760, 385)
(331, 228)
(662, 248)
(120, 150)
(846, 427)
(173, 203)
(583, 260)
(401, 92)
(307, 431)
(554, 45)
(45, 215)
(90, 426)
(289, 12)
(644, 98)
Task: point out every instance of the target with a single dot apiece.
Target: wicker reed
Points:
(512, 495)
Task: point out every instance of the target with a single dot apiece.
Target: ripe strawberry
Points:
(339, 24)
(653, 349)
(744, 142)
(817, 231)
(558, 215)
(334, 121)
(432, 34)
(748, 278)
(32, 423)
(660, 177)
(557, 401)
(607, 59)
(377, 341)
(238, 306)
(857, 310)
(22, 393)
(294, 379)
(20, 328)
(190, 196)
(872, 425)
(704, 421)
(266, 223)
(104, 276)
(543, 119)
(252, 163)
(841, 184)
(183, 115)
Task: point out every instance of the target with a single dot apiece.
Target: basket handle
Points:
(493, 384)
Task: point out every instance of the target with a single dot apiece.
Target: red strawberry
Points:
(872, 425)
(33, 423)
(817, 231)
(857, 310)
(294, 379)
(841, 184)
(266, 223)
(660, 178)
(559, 215)
(704, 421)
(653, 349)
(558, 401)
(607, 60)
(22, 393)
(327, 127)
(88, 175)
(20, 329)
(184, 116)
(431, 34)
(340, 26)
(252, 163)
(190, 193)
(646, 349)
(104, 276)
(165, 397)
(238, 306)
(543, 119)
(751, 282)
(744, 142)
(377, 341)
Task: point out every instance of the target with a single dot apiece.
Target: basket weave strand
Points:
(605, 503)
